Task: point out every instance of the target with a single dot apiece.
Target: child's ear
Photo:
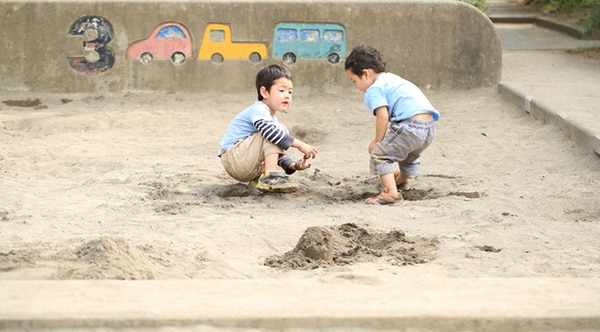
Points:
(365, 72)
(264, 92)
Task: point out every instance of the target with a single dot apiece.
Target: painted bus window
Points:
(96, 33)
(168, 41)
(309, 40)
(309, 35)
(218, 46)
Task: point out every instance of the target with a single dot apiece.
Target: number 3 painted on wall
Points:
(97, 32)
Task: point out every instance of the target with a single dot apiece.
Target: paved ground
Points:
(538, 75)
(554, 86)
(404, 303)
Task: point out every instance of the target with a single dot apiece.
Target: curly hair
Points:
(365, 57)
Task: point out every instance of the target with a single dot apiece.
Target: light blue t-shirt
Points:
(402, 98)
(242, 125)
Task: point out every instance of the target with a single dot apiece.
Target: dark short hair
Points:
(364, 57)
(268, 75)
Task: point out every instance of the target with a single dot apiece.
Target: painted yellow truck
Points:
(217, 46)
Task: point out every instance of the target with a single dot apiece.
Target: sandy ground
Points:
(130, 187)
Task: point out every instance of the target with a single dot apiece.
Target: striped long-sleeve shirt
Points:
(258, 118)
(276, 135)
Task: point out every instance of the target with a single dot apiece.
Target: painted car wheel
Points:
(146, 58)
(178, 58)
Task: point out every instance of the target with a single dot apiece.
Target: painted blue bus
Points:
(309, 40)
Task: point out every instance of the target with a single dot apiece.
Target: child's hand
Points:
(302, 164)
(308, 150)
(372, 146)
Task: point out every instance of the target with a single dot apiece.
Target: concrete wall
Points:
(442, 44)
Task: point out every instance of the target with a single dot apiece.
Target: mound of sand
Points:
(349, 243)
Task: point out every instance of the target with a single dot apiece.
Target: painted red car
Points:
(168, 41)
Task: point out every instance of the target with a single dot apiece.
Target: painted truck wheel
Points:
(217, 58)
(254, 57)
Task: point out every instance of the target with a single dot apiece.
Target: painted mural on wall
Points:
(309, 40)
(168, 41)
(218, 46)
(173, 41)
(96, 33)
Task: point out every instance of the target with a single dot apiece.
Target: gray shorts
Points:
(403, 144)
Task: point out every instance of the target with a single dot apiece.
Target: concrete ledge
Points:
(567, 29)
(525, 19)
(516, 97)
(331, 302)
(575, 131)
(441, 44)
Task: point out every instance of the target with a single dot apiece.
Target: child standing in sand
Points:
(404, 121)
(254, 143)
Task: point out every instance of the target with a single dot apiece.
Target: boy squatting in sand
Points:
(404, 121)
(254, 142)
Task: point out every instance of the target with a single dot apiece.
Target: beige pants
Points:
(246, 159)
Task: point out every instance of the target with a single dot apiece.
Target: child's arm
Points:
(290, 165)
(284, 140)
(286, 162)
(308, 150)
(274, 134)
(381, 124)
(279, 137)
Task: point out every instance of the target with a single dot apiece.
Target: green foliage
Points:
(481, 4)
(589, 9)
(583, 50)
(567, 5)
(593, 22)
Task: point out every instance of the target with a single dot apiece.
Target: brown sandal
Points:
(384, 199)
